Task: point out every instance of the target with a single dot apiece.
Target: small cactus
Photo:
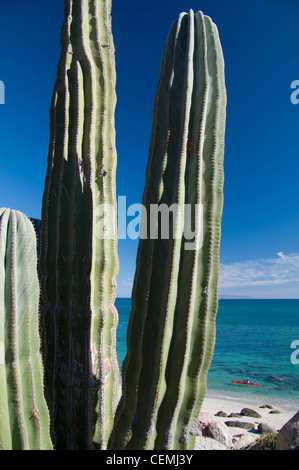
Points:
(24, 416)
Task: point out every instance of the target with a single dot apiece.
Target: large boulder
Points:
(288, 436)
(206, 443)
(221, 414)
(245, 441)
(264, 428)
(212, 427)
(240, 424)
(250, 413)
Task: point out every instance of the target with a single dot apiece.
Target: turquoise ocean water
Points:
(253, 339)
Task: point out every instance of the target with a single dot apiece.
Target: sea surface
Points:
(253, 339)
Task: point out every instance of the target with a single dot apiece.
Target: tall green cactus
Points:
(174, 301)
(78, 264)
(24, 416)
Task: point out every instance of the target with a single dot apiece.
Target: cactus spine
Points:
(24, 416)
(174, 301)
(79, 267)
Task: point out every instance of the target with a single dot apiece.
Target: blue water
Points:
(253, 339)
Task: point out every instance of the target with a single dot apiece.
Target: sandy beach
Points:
(215, 402)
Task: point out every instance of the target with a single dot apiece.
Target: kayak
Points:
(245, 383)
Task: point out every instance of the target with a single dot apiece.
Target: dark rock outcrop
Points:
(264, 428)
(240, 424)
(288, 436)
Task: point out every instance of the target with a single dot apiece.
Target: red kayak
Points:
(245, 383)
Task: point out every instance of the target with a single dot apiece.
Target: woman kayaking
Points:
(245, 382)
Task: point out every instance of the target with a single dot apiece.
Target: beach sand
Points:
(215, 402)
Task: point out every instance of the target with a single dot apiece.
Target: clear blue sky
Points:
(260, 38)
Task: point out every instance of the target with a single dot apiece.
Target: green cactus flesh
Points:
(24, 416)
(78, 267)
(171, 329)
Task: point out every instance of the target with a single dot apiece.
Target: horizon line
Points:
(238, 298)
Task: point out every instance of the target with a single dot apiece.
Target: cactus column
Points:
(174, 301)
(78, 264)
(24, 416)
